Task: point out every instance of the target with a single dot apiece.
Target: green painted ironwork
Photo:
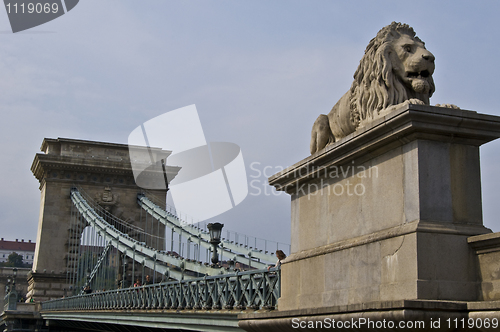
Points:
(257, 289)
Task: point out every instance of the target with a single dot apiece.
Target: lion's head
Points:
(395, 67)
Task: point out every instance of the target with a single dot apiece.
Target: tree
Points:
(15, 260)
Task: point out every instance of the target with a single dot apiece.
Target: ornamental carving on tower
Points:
(106, 199)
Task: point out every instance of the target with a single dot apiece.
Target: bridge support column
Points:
(380, 221)
(45, 286)
(104, 172)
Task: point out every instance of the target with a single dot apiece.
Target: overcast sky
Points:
(259, 72)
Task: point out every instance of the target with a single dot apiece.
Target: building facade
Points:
(25, 249)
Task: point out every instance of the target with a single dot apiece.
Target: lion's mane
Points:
(375, 86)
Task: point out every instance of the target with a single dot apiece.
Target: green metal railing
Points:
(257, 289)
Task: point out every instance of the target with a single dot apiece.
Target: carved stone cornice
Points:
(78, 160)
(42, 163)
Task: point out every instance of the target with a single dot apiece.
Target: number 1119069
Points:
(479, 323)
(32, 8)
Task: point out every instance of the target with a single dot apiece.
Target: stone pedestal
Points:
(384, 214)
(487, 249)
(25, 317)
(7, 273)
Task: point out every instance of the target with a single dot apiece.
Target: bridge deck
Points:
(142, 320)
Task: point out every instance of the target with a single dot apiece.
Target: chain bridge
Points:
(112, 256)
(110, 250)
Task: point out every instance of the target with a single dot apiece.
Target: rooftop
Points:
(17, 245)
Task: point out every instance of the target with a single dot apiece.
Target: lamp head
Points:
(215, 231)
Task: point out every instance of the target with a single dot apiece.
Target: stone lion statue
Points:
(395, 69)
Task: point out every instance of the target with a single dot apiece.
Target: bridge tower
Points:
(103, 171)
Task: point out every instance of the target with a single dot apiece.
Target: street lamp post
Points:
(215, 231)
(11, 297)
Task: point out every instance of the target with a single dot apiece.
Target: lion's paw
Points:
(448, 106)
(414, 101)
(391, 108)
